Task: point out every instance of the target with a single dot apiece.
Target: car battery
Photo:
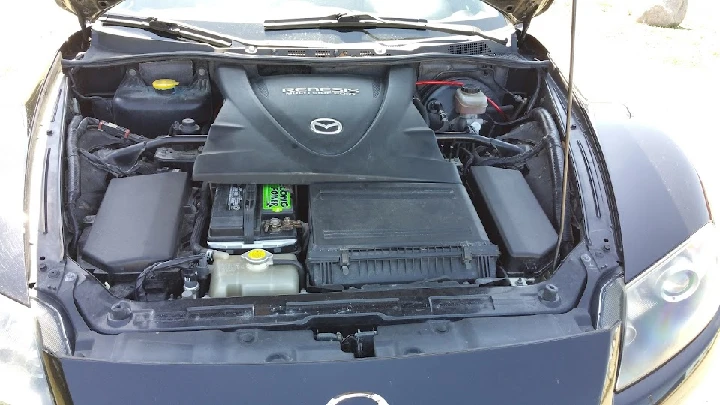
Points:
(252, 216)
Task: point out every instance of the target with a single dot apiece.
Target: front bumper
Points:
(690, 378)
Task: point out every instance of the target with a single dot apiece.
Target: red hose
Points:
(460, 84)
(440, 83)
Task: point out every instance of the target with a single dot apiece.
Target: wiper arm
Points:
(363, 21)
(172, 28)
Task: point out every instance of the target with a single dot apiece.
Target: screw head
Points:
(441, 327)
(247, 337)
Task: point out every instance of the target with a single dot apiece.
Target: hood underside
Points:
(516, 10)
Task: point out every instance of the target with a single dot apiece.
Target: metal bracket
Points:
(345, 261)
(361, 344)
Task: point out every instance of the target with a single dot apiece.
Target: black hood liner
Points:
(263, 131)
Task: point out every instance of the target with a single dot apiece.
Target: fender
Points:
(659, 196)
(21, 170)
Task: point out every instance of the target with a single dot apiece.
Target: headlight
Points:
(669, 305)
(22, 377)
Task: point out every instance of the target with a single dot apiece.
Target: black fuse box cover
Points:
(386, 233)
(138, 222)
(516, 217)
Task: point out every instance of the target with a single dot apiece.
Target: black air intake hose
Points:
(421, 109)
(201, 220)
(78, 125)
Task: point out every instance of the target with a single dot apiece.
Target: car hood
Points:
(516, 10)
(572, 370)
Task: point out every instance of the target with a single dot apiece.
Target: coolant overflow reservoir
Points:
(254, 274)
(470, 100)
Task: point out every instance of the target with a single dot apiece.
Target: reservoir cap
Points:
(257, 254)
(164, 84)
(259, 258)
(470, 89)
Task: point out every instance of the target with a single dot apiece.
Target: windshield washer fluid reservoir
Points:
(254, 273)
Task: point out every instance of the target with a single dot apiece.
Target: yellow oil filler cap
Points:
(164, 84)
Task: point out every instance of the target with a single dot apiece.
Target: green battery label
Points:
(276, 198)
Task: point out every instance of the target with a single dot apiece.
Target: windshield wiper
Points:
(171, 28)
(346, 21)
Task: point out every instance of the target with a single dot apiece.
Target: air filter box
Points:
(388, 233)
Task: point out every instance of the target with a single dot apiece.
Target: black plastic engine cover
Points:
(264, 131)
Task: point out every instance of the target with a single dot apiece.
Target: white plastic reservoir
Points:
(253, 274)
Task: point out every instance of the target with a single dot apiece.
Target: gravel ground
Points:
(665, 76)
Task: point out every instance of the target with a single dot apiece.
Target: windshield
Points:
(233, 11)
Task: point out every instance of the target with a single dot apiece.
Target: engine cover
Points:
(302, 129)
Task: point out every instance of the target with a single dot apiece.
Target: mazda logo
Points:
(326, 126)
(377, 399)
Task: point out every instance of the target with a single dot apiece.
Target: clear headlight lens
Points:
(22, 377)
(670, 304)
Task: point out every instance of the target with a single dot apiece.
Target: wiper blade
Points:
(172, 28)
(345, 21)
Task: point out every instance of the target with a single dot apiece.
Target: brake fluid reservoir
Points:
(253, 274)
(470, 101)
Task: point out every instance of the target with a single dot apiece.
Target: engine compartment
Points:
(289, 179)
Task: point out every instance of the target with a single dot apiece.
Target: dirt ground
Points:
(665, 76)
